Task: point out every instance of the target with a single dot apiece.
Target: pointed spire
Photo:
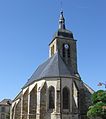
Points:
(61, 21)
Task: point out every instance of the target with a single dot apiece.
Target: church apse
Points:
(55, 90)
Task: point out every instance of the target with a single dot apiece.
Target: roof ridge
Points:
(59, 56)
(50, 62)
(58, 63)
(54, 66)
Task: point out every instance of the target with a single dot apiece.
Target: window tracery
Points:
(51, 97)
(66, 98)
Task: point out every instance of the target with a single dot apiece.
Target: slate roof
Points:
(53, 67)
(63, 33)
(6, 102)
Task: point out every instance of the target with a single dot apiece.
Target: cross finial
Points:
(61, 5)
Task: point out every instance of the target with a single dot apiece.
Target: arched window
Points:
(51, 97)
(63, 50)
(66, 50)
(66, 98)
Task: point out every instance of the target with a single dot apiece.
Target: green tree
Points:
(98, 107)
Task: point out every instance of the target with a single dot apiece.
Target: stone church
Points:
(55, 90)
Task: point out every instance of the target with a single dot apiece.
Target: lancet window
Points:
(66, 98)
(51, 97)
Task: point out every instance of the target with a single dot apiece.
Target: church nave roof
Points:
(53, 67)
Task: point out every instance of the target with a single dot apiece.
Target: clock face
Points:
(66, 46)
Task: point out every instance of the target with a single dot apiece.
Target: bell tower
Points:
(64, 43)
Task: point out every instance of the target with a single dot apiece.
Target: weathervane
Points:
(61, 5)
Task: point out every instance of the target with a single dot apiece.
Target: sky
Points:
(27, 27)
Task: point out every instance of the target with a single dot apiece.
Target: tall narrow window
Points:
(2, 109)
(51, 97)
(66, 50)
(52, 50)
(66, 98)
(2, 116)
(63, 50)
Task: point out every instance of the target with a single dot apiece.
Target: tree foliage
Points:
(98, 107)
